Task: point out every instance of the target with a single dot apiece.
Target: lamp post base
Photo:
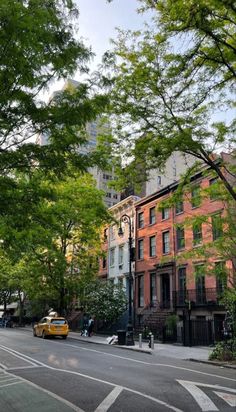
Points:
(130, 335)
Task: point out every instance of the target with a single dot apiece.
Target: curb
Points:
(147, 351)
(223, 365)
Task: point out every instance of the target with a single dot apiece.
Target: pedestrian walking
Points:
(84, 331)
(90, 326)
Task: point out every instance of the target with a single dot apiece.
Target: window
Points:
(200, 284)
(115, 196)
(104, 262)
(152, 246)
(159, 180)
(213, 188)
(221, 277)
(153, 291)
(141, 291)
(182, 285)
(165, 213)
(179, 207)
(140, 220)
(112, 257)
(166, 242)
(112, 232)
(121, 254)
(152, 215)
(197, 233)
(180, 240)
(105, 235)
(140, 249)
(195, 196)
(120, 282)
(217, 229)
(108, 194)
(107, 177)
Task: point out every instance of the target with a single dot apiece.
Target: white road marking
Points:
(133, 360)
(6, 379)
(24, 367)
(207, 385)
(22, 356)
(227, 397)
(109, 400)
(166, 365)
(25, 357)
(51, 394)
(3, 366)
(203, 401)
(15, 354)
(201, 398)
(100, 381)
(10, 384)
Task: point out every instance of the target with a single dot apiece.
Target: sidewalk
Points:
(163, 349)
(175, 351)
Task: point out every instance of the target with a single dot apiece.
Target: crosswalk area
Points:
(7, 379)
(198, 391)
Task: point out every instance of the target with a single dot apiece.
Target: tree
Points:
(6, 291)
(53, 239)
(172, 84)
(105, 301)
(38, 46)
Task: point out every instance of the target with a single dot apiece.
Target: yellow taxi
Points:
(51, 326)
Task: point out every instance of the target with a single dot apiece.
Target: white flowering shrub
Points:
(105, 301)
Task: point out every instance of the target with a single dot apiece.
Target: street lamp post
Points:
(130, 333)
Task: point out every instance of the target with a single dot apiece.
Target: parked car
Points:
(2, 323)
(5, 323)
(51, 326)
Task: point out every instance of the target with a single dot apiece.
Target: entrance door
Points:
(165, 290)
(153, 290)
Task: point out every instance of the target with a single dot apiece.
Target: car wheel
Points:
(64, 337)
(44, 335)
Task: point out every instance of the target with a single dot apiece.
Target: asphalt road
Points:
(50, 375)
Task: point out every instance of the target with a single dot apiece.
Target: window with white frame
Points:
(152, 246)
(197, 233)
(166, 242)
(112, 232)
(140, 248)
(180, 238)
(152, 215)
(112, 257)
(140, 220)
(165, 213)
(121, 255)
(141, 291)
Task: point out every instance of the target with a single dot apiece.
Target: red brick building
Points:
(166, 281)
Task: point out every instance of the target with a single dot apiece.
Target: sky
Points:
(97, 22)
(98, 19)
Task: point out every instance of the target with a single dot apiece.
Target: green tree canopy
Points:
(52, 236)
(172, 84)
(39, 45)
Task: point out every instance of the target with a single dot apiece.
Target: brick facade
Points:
(164, 275)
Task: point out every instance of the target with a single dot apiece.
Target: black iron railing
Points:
(209, 296)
